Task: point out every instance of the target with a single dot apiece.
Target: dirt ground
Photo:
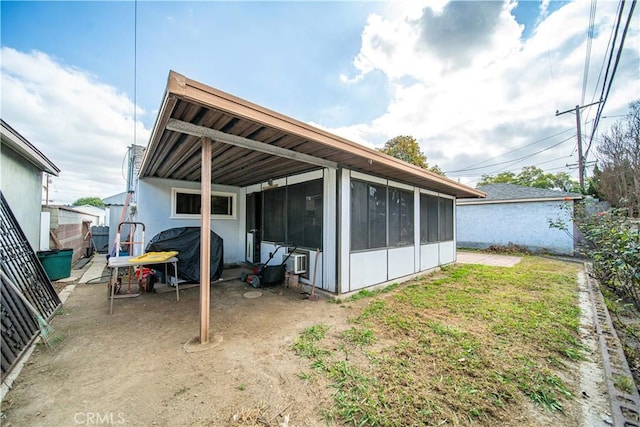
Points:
(137, 366)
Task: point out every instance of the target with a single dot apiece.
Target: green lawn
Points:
(466, 345)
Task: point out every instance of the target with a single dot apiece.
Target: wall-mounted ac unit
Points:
(297, 263)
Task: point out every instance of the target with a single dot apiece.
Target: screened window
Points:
(368, 215)
(274, 215)
(432, 218)
(186, 203)
(293, 214)
(446, 219)
(304, 214)
(400, 217)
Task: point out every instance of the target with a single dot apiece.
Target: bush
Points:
(612, 243)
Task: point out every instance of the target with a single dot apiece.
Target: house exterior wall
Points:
(525, 223)
(339, 269)
(22, 187)
(154, 210)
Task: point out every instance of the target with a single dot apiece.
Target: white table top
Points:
(124, 261)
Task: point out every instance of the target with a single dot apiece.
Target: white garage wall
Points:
(526, 224)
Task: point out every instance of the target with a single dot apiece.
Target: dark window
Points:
(304, 214)
(293, 214)
(432, 219)
(400, 217)
(446, 219)
(189, 204)
(359, 216)
(368, 215)
(424, 231)
(274, 219)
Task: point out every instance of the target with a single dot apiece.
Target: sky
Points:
(476, 83)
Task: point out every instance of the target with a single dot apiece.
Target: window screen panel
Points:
(359, 216)
(304, 214)
(446, 219)
(400, 217)
(424, 231)
(274, 215)
(377, 200)
(432, 218)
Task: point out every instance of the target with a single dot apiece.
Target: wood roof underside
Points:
(176, 155)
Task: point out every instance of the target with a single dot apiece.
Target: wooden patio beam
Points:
(238, 141)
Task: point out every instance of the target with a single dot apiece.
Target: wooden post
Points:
(205, 238)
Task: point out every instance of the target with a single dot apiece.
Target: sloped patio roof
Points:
(252, 144)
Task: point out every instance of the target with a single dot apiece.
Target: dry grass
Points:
(469, 347)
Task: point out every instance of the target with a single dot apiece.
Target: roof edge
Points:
(26, 149)
(183, 87)
(467, 201)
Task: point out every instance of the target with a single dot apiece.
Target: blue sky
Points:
(472, 81)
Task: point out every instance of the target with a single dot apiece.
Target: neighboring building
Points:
(99, 213)
(368, 217)
(519, 215)
(70, 229)
(22, 166)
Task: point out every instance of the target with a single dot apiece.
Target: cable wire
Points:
(587, 58)
(615, 68)
(472, 167)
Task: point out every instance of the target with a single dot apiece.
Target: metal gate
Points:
(20, 263)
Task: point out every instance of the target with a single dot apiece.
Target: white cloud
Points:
(82, 125)
(468, 86)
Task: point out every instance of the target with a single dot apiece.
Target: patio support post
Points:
(205, 238)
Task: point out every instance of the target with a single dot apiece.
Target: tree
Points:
(406, 148)
(618, 155)
(92, 201)
(532, 176)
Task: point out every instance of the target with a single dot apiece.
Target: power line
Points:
(587, 58)
(472, 167)
(519, 159)
(615, 67)
(533, 154)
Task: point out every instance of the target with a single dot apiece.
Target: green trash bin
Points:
(56, 263)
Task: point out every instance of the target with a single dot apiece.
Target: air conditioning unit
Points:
(297, 263)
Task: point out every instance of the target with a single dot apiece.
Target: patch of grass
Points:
(464, 348)
(359, 336)
(623, 383)
(306, 344)
(242, 387)
(366, 293)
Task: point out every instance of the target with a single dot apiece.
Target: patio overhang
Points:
(205, 135)
(252, 144)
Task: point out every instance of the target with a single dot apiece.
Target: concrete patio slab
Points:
(487, 259)
(95, 270)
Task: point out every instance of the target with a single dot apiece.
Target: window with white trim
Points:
(185, 203)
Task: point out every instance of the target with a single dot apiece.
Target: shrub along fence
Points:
(612, 243)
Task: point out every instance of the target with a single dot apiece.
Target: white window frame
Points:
(175, 191)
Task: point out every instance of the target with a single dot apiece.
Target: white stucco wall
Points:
(154, 210)
(525, 223)
(21, 184)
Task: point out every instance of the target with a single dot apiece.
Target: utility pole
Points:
(581, 159)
